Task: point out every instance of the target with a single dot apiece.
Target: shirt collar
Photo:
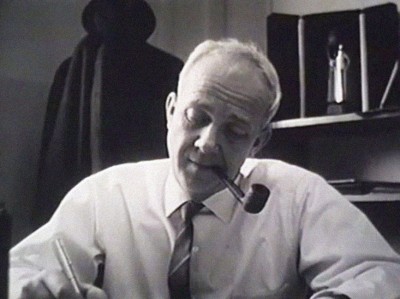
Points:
(222, 203)
(173, 194)
(247, 167)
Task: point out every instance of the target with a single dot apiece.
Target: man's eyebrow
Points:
(196, 105)
(244, 121)
(241, 120)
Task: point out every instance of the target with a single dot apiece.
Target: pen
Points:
(66, 265)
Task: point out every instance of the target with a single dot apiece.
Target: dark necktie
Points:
(178, 277)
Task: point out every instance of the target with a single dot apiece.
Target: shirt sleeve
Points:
(341, 252)
(75, 222)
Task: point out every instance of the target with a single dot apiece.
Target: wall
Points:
(182, 24)
(302, 7)
(37, 35)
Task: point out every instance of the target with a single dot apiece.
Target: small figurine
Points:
(339, 62)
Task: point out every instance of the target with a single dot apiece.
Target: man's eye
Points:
(237, 132)
(195, 117)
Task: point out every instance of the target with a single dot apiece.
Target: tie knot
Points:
(190, 209)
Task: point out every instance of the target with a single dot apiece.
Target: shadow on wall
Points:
(20, 128)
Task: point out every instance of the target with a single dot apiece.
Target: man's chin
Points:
(203, 186)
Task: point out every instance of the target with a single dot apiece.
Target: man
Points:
(126, 216)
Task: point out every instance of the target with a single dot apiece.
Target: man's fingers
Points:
(36, 289)
(59, 285)
(54, 284)
(95, 293)
(49, 284)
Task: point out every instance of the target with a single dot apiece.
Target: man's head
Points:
(228, 93)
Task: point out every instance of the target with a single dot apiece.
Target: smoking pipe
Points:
(253, 201)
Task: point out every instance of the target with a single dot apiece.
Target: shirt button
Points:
(195, 249)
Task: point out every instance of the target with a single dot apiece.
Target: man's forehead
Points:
(229, 76)
(222, 64)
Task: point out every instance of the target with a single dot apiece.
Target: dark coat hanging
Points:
(106, 103)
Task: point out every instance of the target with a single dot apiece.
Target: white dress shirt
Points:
(306, 234)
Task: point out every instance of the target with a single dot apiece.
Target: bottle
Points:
(340, 76)
(5, 245)
(337, 82)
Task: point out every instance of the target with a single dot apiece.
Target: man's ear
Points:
(261, 140)
(170, 106)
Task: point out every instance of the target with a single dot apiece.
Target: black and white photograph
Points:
(199, 149)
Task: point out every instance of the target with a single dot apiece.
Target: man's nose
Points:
(207, 141)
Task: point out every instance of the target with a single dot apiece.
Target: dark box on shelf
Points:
(298, 47)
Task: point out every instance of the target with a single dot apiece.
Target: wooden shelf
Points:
(297, 140)
(375, 197)
(344, 123)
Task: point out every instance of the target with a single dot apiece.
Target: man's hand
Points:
(54, 284)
